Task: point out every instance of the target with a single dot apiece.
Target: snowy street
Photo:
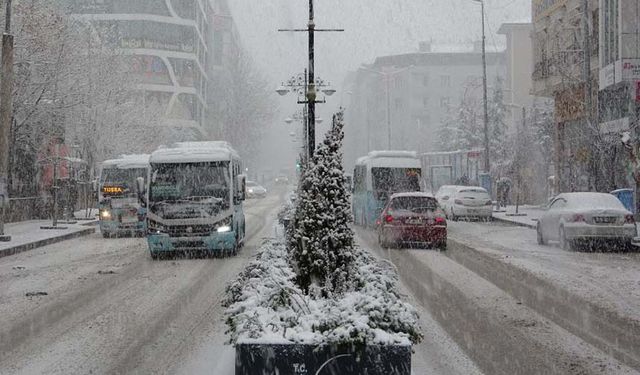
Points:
(535, 302)
(109, 308)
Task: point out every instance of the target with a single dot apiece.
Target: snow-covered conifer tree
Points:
(322, 241)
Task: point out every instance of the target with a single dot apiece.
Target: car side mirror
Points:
(142, 191)
(242, 186)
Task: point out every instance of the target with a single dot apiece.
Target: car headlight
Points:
(105, 214)
(224, 225)
(250, 191)
(224, 229)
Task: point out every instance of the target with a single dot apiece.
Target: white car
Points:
(573, 217)
(254, 190)
(470, 202)
(444, 194)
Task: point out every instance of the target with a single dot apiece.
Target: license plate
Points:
(604, 220)
(415, 221)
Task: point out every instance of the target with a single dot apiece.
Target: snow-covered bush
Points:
(265, 305)
(322, 241)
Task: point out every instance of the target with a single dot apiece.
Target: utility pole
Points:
(311, 90)
(6, 111)
(387, 78)
(311, 93)
(487, 167)
(586, 77)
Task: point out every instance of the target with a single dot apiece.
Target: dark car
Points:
(413, 219)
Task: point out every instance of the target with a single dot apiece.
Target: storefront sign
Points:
(630, 69)
(607, 76)
(569, 104)
(156, 44)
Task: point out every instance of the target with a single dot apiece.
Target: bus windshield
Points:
(395, 180)
(122, 178)
(196, 182)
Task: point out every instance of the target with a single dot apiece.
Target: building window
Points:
(445, 81)
(398, 103)
(444, 102)
(425, 102)
(425, 80)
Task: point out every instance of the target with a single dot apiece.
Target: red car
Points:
(412, 219)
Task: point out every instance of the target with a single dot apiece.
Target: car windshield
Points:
(190, 181)
(124, 178)
(392, 180)
(251, 184)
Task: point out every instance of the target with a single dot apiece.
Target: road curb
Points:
(505, 220)
(48, 241)
(604, 328)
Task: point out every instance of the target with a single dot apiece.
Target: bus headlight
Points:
(155, 227)
(224, 229)
(105, 214)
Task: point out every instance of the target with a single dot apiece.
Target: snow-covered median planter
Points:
(313, 302)
(274, 324)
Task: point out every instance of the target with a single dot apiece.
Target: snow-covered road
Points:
(610, 279)
(109, 308)
(500, 333)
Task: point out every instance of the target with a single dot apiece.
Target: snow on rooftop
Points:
(128, 162)
(185, 152)
(392, 154)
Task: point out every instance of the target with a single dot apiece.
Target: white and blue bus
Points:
(195, 199)
(119, 208)
(379, 175)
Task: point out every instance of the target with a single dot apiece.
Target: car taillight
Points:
(629, 219)
(441, 221)
(578, 217)
(457, 201)
(388, 218)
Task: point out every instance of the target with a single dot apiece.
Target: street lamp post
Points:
(387, 77)
(299, 84)
(484, 91)
(6, 110)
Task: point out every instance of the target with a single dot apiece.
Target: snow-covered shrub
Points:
(322, 241)
(265, 305)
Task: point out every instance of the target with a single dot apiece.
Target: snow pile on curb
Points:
(265, 305)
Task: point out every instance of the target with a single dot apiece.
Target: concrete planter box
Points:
(285, 359)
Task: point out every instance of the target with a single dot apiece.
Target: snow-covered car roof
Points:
(450, 187)
(475, 189)
(588, 200)
(194, 152)
(414, 194)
